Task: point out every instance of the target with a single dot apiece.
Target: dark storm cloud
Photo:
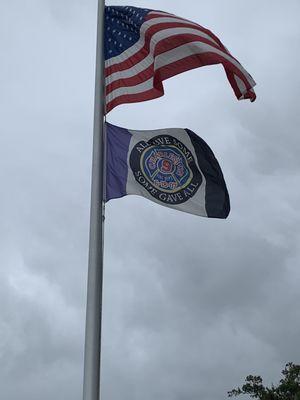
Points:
(185, 299)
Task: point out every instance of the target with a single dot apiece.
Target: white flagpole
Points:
(92, 351)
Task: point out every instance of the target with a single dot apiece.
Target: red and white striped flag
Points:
(144, 47)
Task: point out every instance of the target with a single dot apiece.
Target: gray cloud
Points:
(191, 305)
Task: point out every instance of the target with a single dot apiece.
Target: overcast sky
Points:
(191, 305)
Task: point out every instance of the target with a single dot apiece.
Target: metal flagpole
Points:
(92, 351)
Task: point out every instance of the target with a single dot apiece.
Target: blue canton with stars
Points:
(122, 28)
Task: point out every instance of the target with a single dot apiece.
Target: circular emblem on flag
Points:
(166, 168)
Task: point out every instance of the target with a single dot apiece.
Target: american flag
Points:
(144, 47)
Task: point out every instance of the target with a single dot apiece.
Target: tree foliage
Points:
(287, 389)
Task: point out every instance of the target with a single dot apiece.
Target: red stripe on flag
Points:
(135, 98)
(151, 15)
(132, 81)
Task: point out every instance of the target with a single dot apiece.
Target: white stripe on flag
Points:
(140, 88)
(241, 84)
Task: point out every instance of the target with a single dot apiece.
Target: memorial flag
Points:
(172, 167)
